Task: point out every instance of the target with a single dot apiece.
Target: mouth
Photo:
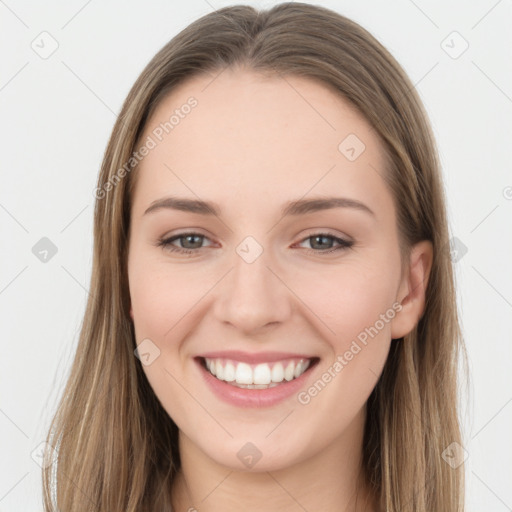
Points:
(263, 375)
(255, 380)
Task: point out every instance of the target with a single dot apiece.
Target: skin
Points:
(252, 144)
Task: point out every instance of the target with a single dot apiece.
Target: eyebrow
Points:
(297, 207)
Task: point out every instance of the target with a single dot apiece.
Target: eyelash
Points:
(166, 243)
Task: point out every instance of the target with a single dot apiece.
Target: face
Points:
(289, 297)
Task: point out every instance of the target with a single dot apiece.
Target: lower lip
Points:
(242, 397)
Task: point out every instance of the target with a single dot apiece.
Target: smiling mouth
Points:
(257, 376)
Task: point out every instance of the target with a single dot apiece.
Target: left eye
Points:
(324, 238)
(192, 242)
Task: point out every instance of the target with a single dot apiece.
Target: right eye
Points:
(193, 240)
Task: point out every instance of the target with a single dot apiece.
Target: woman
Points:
(228, 357)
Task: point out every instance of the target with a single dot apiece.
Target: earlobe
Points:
(412, 290)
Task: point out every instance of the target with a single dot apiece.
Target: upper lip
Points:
(255, 357)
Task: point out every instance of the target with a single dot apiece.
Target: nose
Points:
(253, 296)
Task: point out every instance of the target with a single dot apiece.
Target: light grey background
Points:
(57, 114)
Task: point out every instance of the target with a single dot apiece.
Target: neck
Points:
(330, 481)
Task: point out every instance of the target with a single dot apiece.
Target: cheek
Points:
(165, 306)
(348, 299)
(161, 295)
(355, 306)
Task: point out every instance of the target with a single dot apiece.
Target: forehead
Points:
(262, 137)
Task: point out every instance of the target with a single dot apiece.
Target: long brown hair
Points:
(117, 447)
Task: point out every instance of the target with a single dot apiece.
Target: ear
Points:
(411, 292)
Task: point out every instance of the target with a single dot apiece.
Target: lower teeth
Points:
(254, 386)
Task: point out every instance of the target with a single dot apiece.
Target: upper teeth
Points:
(259, 374)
